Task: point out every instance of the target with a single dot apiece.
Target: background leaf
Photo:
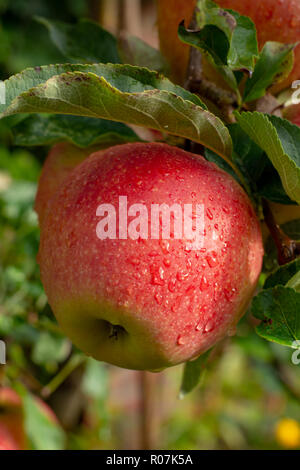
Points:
(282, 275)
(135, 51)
(78, 130)
(192, 374)
(279, 310)
(85, 41)
(274, 64)
(281, 142)
(42, 429)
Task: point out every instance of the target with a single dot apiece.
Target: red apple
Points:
(169, 14)
(6, 440)
(12, 435)
(148, 303)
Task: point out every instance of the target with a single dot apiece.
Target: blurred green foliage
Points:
(249, 386)
(23, 41)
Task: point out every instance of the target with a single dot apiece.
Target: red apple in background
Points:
(148, 303)
(6, 440)
(292, 114)
(12, 419)
(12, 435)
(169, 14)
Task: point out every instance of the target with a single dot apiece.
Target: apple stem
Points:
(288, 249)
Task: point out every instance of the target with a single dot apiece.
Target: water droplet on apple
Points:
(209, 214)
(180, 340)
(204, 284)
(157, 276)
(209, 326)
(190, 290)
(165, 246)
(158, 298)
(180, 178)
(182, 275)
(172, 285)
(212, 260)
(153, 254)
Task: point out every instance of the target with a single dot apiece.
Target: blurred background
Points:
(249, 395)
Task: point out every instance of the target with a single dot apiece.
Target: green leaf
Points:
(283, 275)
(95, 381)
(239, 30)
(221, 163)
(193, 373)
(42, 429)
(118, 93)
(279, 311)
(125, 78)
(274, 65)
(294, 282)
(270, 186)
(258, 171)
(135, 51)
(50, 348)
(208, 13)
(256, 168)
(243, 46)
(86, 41)
(80, 131)
(281, 141)
(226, 38)
(212, 42)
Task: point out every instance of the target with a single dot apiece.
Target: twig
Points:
(196, 83)
(75, 361)
(148, 414)
(288, 249)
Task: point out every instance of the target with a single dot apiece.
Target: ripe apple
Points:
(170, 13)
(6, 440)
(292, 114)
(12, 435)
(60, 162)
(148, 303)
(275, 20)
(12, 430)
